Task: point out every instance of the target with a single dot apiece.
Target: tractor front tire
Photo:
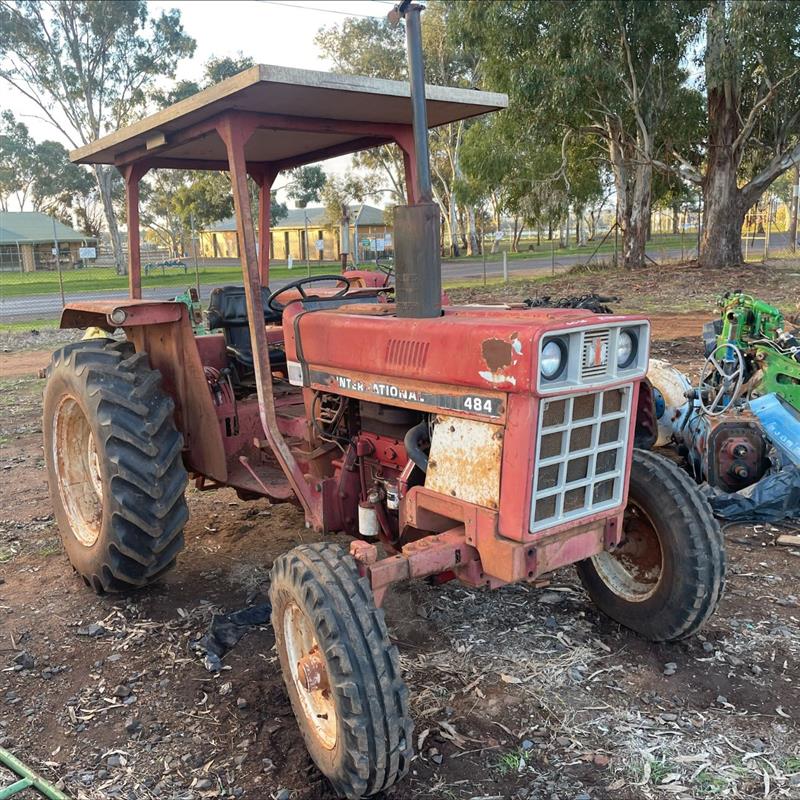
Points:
(114, 465)
(667, 575)
(341, 671)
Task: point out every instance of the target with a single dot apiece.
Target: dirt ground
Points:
(520, 693)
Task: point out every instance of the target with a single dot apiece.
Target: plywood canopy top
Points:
(304, 116)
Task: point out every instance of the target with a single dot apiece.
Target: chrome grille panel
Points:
(581, 453)
(594, 354)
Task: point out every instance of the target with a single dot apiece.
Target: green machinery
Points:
(191, 299)
(768, 354)
(27, 779)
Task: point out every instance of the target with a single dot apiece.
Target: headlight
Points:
(118, 316)
(553, 359)
(627, 348)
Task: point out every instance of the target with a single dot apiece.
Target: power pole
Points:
(308, 260)
(344, 236)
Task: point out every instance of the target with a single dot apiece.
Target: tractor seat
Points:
(227, 311)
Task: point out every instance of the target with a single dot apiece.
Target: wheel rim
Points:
(77, 469)
(309, 673)
(633, 570)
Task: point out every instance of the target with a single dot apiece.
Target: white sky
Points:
(270, 31)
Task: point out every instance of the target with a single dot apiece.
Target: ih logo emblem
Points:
(595, 353)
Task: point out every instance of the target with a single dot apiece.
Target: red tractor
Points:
(488, 444)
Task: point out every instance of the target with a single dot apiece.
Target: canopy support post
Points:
(264, 176)
(405, 141)
(235, 133)
(133, 173)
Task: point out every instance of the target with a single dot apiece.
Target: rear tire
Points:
(114, 465)
(356, 725)
(666, 578)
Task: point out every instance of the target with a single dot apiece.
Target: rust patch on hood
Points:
(497, 354)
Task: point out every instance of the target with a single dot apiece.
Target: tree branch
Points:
(752, 117)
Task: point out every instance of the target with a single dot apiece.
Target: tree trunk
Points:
(724, 205)
(636, 218)
(723, 214)
(676, 210)
(104, 178)
(454, 251)
(472, 239)
(633, 180)
(723, 217)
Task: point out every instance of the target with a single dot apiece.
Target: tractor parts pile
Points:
(739, 430)
(595, 303)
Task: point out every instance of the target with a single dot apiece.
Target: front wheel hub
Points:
(310, 675)
(633, 570)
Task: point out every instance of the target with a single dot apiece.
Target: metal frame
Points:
(235, 129)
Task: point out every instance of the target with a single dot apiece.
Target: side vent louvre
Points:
(406, 352)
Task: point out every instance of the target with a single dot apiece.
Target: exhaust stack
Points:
(418, 265)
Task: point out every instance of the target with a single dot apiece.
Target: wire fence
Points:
(37, 280)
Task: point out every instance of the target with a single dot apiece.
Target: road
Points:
(48, 306)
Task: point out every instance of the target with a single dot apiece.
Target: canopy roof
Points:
(181, 132)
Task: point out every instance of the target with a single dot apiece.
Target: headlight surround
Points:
(118, 316)
(627, 347)
(553, 359)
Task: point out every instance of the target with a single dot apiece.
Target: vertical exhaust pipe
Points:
(418, 266)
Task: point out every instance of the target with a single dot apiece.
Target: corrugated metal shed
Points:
(316, 216)
(33, 227)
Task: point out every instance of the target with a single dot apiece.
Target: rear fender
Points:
(163, 331)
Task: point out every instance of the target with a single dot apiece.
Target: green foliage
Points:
(752, 72)
(16, 153)
(89, 67)
(342, 191)
(305, 185)
(220, 68)
(38, 172)
(600, 84)
(58, 183)
(365, 46)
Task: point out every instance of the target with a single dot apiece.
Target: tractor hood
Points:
(484, 347)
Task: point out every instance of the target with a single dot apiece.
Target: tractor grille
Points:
(580, 455)
(594, 354)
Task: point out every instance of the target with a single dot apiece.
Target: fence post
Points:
(484, 266)
(194, 249)
(58, 263)
(553, 255)
(505, 267)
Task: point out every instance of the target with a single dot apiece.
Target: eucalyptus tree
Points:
(88, 66)
(609, 73)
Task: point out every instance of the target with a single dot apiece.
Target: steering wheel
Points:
(721, 380)
(300, 285)
(387, 268)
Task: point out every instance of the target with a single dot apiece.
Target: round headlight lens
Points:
(553, 359)
(627, 346)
